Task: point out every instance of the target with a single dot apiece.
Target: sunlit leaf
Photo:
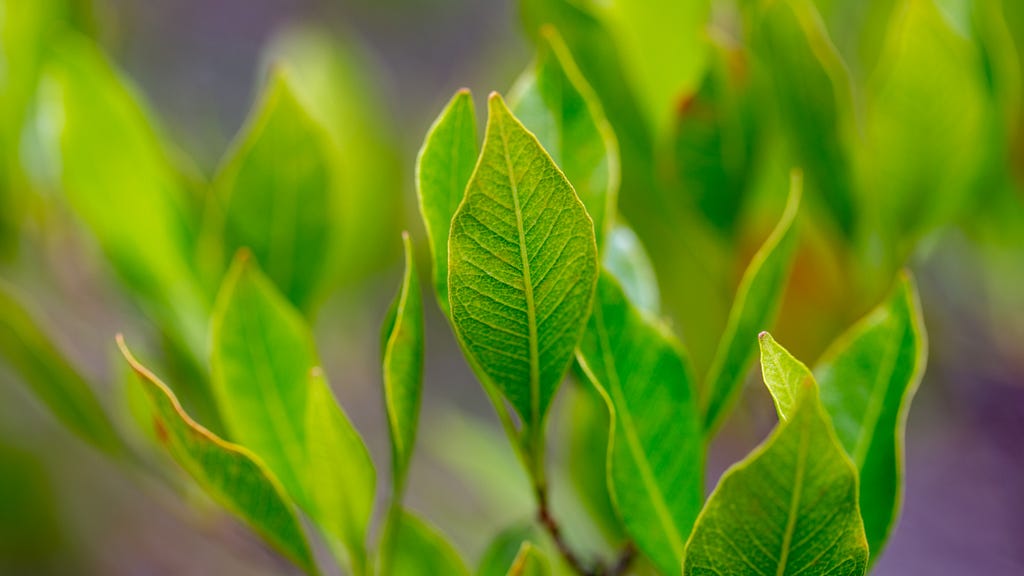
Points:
(443, 168)
(868, 379)
(412, 547)
(791, 506)
(655, 461)
(754, 308)
(231, 474)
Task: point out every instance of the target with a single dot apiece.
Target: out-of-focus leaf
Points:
(814, 101)
(754, 308)
(626, 259)
(413, 548)
(800, 485)
(276, 402)
(554, 101)
(522, 269)
(336, 86)
(530, 561)
(231, 474)
(275, 195)
(443, 168)
(403, 369)
(655, 453)
(31, 532)
(28, 350)
(868, 379)
(501, 553)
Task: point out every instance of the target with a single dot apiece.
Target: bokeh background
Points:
(942, 130)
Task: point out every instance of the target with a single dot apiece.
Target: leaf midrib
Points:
(879, 391)
(794, 502)
(531, 311)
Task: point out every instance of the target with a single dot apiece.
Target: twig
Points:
(621, 565)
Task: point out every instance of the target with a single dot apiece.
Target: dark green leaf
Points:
(414, 548)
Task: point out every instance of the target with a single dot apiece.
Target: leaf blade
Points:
(414, 548)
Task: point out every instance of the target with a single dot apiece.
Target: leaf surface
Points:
(791, 506)
(231, 474)
(501, 553)
(414, 548)
(522, 269)
(626, 259)
(754, 308)
(868, 379)
(530, 561)
(443, 168)
(655, 455)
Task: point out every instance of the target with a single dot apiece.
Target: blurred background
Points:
(119, 116)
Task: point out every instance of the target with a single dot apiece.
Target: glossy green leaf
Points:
(655, 454)
(231, 474)
(522, 269)
(554, 101)
(26, 348)
(403, 369)
(791, 506)
(530, 561)
(501, 553)
(414, 548)
(274, 194)
(757, 302)
(443, 168)
(626, 259)
(275, 402)
(868, 379)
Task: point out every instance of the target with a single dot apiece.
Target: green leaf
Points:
(554, 101)
(443, 168)
(414, 548)
(231, 474)
(403, 369)
(275, 402)
(868, 379)
(522, 269)
(655, 455)
(757, 302)
(626, 259)
(501, 553)
(790, 507)
(274, 194)
(33, 530)
(26, 348)
(529, 562)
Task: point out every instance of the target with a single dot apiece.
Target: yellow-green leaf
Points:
(501, 553)
(530, 561)
(231, 474)
(414, 548)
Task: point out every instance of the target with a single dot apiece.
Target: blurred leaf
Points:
(30, 352)
(530, 561)
(501, 553)
(791, 506)
(443, 168)
(626, 260)
(403, 369)
(754, 308)
(275, 195)
(554, 101)
(276, 402)
(231, 474)
(868, 379)
(522, 268)
(31, 532)
(413, 548)
(655, 464)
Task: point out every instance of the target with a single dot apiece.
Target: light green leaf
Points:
(414, 548)
(627, 260)
(554, 101)
(529, 562)
(868, 379)
(522, 269)
(784, 375)
(274, 195)
(443, 168)
(791, 506)
(501, 553)
(655, 454)
(231, 474)
(340, 476)
(26, 348)
(754, 308)
(403, 369)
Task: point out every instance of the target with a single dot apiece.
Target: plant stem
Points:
(547, 520)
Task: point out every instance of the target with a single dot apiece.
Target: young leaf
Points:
(231, 474)
(529, 562)
(443, 168)
(791, 506)
(655, 460)
(31, 353)
(522, 269)
(274, 194)
(626, 260)
(413, 548)
(868, 379)
(554, 101)
(757, 302)
(403, 369)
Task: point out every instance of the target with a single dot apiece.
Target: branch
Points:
(620, 566)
